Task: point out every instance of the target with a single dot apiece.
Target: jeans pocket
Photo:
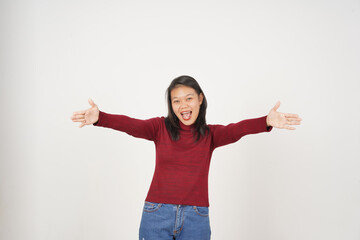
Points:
(202, 211)
(151, 206)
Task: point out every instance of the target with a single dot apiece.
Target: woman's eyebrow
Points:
(186, 95)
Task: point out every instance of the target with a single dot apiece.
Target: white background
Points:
(58, 181)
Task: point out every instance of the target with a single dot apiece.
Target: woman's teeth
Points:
(186, 115)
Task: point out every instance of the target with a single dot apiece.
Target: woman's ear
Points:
(201, 98)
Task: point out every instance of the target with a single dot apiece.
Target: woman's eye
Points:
(189, 99)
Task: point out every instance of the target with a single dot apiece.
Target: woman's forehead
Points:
(182, 91)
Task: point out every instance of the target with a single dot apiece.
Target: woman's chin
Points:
(187, 122)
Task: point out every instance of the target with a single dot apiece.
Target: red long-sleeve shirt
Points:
(182, 167)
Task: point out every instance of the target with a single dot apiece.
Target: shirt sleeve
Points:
(139, 128)
(223, 135)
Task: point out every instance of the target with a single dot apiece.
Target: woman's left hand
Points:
(281, 120)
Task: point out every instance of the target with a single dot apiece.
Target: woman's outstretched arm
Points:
(223, 135)
(146, 129)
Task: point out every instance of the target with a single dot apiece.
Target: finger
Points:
(79, 116)
(78, 120)
(82, 124)
(294, 118)
(293, 123)
(291, 115)
(79, 112)
(285, 125)
(289, 128)
(91, 102)
(277, 105)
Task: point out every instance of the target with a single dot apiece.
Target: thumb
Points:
(277, 105)
(91, 102)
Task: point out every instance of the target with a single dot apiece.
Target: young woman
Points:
(177, 205)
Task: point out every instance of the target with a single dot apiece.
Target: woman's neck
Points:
(186, 127)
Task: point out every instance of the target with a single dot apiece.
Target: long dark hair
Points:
(172, 121)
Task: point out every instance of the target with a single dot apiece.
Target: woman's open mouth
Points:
(186, 115)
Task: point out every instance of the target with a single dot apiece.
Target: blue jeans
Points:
(162, 221)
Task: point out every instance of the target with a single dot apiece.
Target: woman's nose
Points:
(183, 104)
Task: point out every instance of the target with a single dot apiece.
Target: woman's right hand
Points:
(87, 117)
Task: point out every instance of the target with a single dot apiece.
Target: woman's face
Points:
(186, 103)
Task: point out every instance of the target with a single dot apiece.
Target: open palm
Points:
(88, 116)
(282, 120)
